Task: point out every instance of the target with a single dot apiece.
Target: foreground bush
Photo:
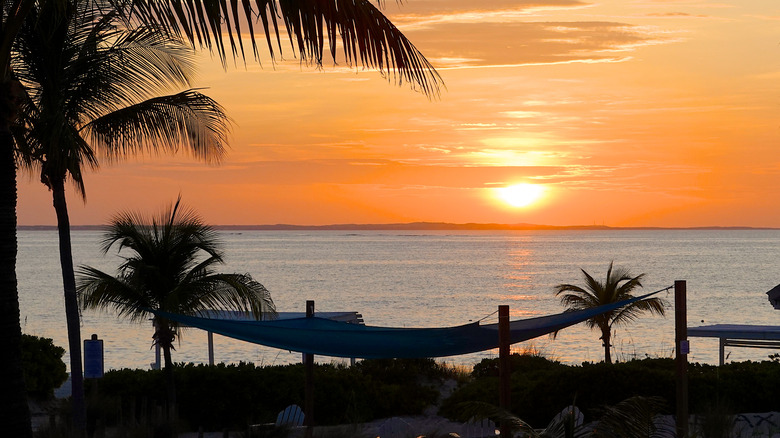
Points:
(541, 388)
(43, 368)
(232, 396)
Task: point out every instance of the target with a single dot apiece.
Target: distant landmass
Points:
(420, 226)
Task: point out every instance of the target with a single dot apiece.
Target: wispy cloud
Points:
(419, 11)
(534, 43)
(676, 15)
(705, 4)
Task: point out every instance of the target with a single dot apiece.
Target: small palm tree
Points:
(169, 265)
(616, 287)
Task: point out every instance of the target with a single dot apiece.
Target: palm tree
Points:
(14, 411)
(616, 287)
(169, 265)
(367, 37)
(94, 89)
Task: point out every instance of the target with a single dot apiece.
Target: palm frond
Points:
(655, 306)
(99, 290)
(632, 417)
(597, 289)
(479, 410)
(115, 68)
(367, 37)
(238, 292)
(164, 123)
(629, 284)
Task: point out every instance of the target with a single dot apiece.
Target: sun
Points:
(521, 195)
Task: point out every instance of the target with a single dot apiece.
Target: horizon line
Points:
(422, 226)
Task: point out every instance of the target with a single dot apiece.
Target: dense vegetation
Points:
(43, 368)
(541, 387)
(233, 396)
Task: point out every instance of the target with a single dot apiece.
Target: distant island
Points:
(419, 226)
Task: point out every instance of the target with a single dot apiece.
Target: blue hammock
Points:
(340, 339)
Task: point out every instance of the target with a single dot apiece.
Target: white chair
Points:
(481, 428)
(291, 416)
(395, 428)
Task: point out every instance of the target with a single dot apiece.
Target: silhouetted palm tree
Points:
(170, 265)
(95, 89)
(367, 37)
(14, 411)
(617, 286)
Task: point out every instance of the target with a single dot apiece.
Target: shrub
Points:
(541, 388)
(43, 368)
(232, 396)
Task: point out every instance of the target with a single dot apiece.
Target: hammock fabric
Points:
(339, 339)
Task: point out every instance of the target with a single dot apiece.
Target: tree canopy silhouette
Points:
(170, 265)
(617, 286)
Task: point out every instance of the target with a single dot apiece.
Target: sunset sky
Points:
(625, 112)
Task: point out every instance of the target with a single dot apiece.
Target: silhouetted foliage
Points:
(617, 286)
(540, 388)
(235, 395)
(44, 370)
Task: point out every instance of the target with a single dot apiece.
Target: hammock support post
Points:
(308, 402)
(211, 348)
(681, 347)
(504, 365)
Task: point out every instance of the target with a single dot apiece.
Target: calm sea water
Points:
(428, 279)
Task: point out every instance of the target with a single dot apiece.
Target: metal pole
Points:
(681, 343)
(308, 410)
(504, 365)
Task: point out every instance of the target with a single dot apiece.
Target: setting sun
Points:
(521, 195)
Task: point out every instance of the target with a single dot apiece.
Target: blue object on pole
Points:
(93, 358)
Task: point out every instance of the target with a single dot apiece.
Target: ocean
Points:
(441, 278)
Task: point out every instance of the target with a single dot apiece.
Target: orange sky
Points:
(629, 112)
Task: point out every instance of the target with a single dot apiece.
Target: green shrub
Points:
(232, 396)
(518, 363)
(541, 388)
(44, 370)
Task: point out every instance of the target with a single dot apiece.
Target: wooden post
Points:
(504, 365)
(308, 419)
(681, 347)
(211, 348)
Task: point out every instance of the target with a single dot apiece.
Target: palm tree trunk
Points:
(606, 336)
(71, 307)
(171, 383)
(14, 412)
